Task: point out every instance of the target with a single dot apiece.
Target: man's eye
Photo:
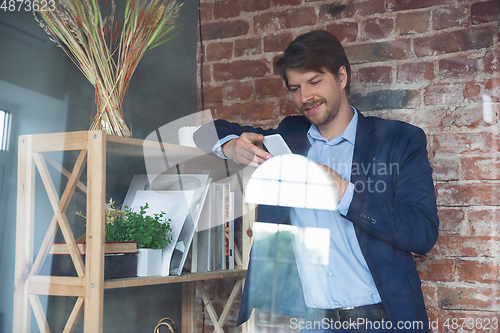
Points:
(315, 82)
(294, 89)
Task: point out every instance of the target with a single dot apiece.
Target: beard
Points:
(321, 117)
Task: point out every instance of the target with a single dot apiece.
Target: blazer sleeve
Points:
(407, 217)
(209, 134)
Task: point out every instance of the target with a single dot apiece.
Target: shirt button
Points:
(330, 274)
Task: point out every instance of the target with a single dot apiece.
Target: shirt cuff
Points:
(346, 199)
(217, 149)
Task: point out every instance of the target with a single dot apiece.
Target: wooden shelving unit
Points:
(89, 285)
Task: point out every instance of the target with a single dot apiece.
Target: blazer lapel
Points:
(362, 161)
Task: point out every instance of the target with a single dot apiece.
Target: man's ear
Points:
(342, 75)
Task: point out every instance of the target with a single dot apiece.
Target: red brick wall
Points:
(432, 63)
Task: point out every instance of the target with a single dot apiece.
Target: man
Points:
(387, 206)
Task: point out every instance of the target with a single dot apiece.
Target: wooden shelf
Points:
(93, 147)
(188, 277)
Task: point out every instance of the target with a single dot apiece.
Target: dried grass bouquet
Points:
(107, 51)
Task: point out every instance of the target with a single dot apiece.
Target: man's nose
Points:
(306, 95)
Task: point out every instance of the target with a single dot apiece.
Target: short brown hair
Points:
(315, 50)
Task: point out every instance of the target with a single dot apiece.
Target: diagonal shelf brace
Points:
(209, 306)
(40, 317)
(74, 316)
(229, 303)
(73, 180)
(61, 218)
(64, 171)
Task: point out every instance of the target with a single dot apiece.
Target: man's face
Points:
(317, 95)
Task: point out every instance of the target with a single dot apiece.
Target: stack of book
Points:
(214, 248)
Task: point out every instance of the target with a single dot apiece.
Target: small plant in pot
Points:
(150, 233)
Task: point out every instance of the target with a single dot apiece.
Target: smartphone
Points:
(276, 145)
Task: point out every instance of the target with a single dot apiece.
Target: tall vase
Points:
(109, 115)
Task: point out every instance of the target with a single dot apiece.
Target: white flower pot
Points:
(149, 262)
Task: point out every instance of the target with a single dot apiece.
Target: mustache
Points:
(303, 107)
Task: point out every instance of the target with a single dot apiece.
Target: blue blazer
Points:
(390, 224)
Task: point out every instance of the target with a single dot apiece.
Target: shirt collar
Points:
(349, 134)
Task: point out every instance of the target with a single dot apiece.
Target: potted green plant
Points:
(150, 233)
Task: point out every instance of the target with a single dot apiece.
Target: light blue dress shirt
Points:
(339, 277)
(345, 280)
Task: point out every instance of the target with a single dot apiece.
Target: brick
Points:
(482, 12)
(484, 222)
(336, 11)
(481, 168)
(454, 41)
(434, 120)
(277, 43)
(240, 69)
(368, 8)
(287, 107)
(226, 8)
(254, 5)
(471, 90)
(413, 22)
(237, 91)
(470, 298)
(219, 51)
(272, 22)
(465, 246)
(279, 3)
(429, 293)
(443, 94)
(457, 68)
(384, 51)
(386, 100)
(400, 115)
(212, 94)
(221, 30)
(377, 28)
(492, 61)
(374, 75)
(444, 170)
(468, 194)
(492, 94)
(450, 17)
(346, 32)
(450, 220)
(472, 117)
(245, 47)
(246, 112)
(483, 272)
(436, 270)
(275, 60)
(270, 87)
(206, 11)
(207, 73)
(415, 72)
(459, 143)
(397, 5)
(492, 84)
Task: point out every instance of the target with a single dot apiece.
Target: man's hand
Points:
(339, 184)
(247, 149)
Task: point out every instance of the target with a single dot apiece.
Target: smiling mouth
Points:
(313, 109)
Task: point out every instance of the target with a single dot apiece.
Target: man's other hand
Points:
(339, 184)
(247, 149)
